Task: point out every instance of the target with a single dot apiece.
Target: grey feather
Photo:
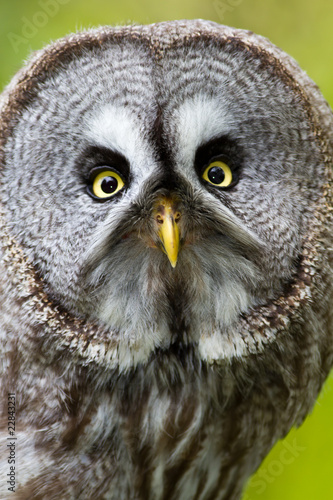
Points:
(134, 379)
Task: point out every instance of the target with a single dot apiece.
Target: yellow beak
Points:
(167, 218)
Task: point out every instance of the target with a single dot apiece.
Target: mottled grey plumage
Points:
(135, 379)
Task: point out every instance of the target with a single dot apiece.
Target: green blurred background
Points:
(301, 467)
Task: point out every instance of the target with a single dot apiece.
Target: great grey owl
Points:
(166, 262)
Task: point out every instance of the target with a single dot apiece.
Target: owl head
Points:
(165, 187)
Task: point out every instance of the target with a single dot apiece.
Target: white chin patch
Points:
(135, 301)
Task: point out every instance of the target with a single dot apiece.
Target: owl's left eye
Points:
(105, 183)
(218, 173)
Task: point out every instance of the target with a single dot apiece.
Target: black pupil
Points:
(109, 185)
(216, 175)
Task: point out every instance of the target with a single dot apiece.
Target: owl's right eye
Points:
(105, 183)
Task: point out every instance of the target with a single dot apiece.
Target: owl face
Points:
(166, 197)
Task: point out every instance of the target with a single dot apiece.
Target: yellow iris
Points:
(218, 174)
(107, 183)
